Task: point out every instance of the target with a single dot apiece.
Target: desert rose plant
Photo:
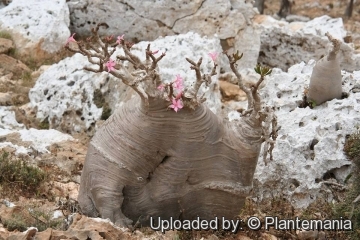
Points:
(165, 154)
(325, 80)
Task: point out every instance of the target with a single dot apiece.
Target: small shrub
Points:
(44, 124)
(106, 113)
(32, 217)
(17, 222)
(12, 52)
(43, 220)
(18, 174)
(26, 76)
(4, 34)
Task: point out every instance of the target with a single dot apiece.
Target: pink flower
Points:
(161, 87)
(70, 39)
(119, 38)
(178, 96)
(178, 78)
(178, 86)
(213, 55)
(176, 104)
(155, 52)
(110, 65)
(178, 83)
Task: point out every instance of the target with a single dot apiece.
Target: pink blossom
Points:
(70, 39)
(178, 96)
(176, 104)
(178, 86)
(178, 78)
(119, 38)
(178, 83)
(110, 65)
(213, 55)
(155, 52)
(161, 87)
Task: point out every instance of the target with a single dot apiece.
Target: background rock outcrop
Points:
(39, 28)
(231, 21)
(284, 44)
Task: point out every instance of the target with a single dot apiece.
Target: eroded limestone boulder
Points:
(231, 21)
(284, 44)
(39, 28)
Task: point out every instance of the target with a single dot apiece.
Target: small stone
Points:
(6, 45)
(231, 91)
(12, 65)
(5, 99)
(308, 235)
(39, 28)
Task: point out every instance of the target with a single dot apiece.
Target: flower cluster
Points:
(177, 85)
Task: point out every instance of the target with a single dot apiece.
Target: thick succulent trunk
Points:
(325, 81)
(153, 162)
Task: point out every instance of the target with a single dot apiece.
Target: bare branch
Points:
(336, 46)
(256, 86)
(199, 80)
(341, 186)
(98, 52)
(269, 136)
(91, 69)
(247, 91)
(132, 58)
(154, 59)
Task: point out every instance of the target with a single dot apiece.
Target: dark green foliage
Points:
(17, 174)
(40, 219)
(106, 112)
(6, 35)
(44, 124)
(100, 101)
(17, 222)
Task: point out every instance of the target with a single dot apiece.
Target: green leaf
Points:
(262, 70)
(312, 103)
(236, 56)
(258, 69)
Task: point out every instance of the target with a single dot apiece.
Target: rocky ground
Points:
(39, 187)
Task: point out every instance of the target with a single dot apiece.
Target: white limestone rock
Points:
(309, 147)
(39, 28)
(121, 16)
(231, 21)
(65, 92)
(284, 44)
(23, 140)
(8, 121)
